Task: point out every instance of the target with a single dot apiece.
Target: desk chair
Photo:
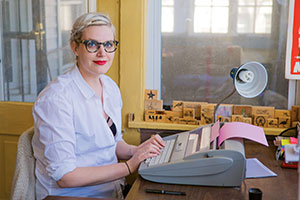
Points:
(23, 185)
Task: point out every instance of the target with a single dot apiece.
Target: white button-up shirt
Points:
(70, 131)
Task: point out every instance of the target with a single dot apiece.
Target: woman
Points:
(77, 120)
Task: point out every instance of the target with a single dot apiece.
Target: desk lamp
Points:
(250, 80)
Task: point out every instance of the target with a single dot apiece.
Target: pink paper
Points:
(242, 130)
(215, 131)
(293, 140)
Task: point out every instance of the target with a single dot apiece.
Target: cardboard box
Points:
(153, 104)
(244, 110)
(150, 94)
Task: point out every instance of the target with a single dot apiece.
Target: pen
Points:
(164, 192)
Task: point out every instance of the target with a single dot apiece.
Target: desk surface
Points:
(72, 198)
(284, 186)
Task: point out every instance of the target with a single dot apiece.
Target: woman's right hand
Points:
(150, 148)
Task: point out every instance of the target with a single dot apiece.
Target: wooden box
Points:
(272, 123)
(284, 122)
(260, 120)
(207, 113)
(282, 113)
(295, 115)
(196, 106)
(155, 116)
(237, 118)
(225, 110)
(247, 120)
(189, 113)
(150, 94)
(153, 104)
(263, 110)
(177, 106)
(244, 110)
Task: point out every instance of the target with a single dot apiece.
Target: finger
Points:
(159, 140)
(155, 149)
(158, 143)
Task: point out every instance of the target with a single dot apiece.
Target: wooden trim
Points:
(183, 127)
(15, 117)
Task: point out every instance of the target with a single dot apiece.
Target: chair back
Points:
(23, 184)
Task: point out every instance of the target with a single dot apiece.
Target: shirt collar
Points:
(84, 88)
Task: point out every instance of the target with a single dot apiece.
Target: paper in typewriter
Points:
(242, 130)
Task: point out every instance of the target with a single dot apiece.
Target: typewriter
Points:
(190, 158)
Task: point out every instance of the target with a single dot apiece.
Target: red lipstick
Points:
(100, 62)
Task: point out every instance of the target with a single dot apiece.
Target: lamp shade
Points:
(250, 79)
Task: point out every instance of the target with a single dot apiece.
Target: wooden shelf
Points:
(183, 127)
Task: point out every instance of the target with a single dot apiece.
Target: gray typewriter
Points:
(190, 158)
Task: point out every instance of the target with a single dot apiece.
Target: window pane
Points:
(167, 2)
(202, 2)
(220, 2)
(246, 2)
(220, 20)
(263, 20)
(245, 20)
(201, 25)
(264, 2)
(167, 21)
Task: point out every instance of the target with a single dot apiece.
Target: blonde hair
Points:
(86, 20)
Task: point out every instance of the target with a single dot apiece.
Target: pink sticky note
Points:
(215, 131)
(293, 140)
(242, 130)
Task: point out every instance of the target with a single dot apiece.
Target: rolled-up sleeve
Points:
(57, 140)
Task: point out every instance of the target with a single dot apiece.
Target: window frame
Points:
(91, 6)
(1, 65)
(154, 9)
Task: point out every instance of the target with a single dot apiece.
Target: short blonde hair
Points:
(86, 20)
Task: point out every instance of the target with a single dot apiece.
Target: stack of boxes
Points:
(201, 113)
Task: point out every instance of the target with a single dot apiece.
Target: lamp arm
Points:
(218, 104)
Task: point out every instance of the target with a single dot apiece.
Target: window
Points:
(254, 16)
(211, 16)
(210, 37)
(167, 20)
(34, 46)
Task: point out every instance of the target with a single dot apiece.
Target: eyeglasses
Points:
(93, 46)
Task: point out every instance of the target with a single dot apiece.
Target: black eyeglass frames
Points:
(93, 46)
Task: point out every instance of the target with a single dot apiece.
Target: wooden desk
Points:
(284, 186)
(72, 198)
